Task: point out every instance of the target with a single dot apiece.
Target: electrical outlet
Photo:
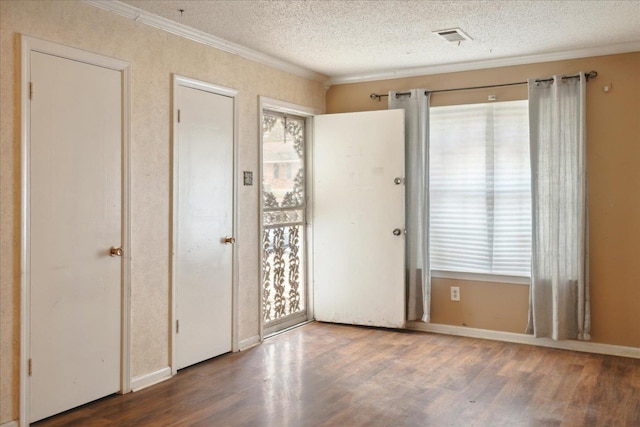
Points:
(455, 293)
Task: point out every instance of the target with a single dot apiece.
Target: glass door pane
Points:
(283, 205)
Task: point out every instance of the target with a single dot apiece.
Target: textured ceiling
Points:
(342, 37)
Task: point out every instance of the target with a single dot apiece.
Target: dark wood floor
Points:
(333, 375)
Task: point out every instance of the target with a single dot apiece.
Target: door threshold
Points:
(297, 325)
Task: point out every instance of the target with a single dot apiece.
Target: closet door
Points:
(203, 223)
(75, 221)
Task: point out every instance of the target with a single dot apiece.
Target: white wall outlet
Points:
(455, 293)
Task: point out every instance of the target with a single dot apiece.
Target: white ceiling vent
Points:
(453, 35)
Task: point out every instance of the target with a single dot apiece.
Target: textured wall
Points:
(154, 55)
(613, 159)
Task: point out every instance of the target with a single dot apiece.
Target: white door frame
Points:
(28, 45)
(231, 93)
(266, 103)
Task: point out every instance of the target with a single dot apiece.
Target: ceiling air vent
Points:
(453, 35)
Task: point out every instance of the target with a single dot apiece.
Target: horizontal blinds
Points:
(480, 197)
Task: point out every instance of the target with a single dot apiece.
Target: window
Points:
(480, 189)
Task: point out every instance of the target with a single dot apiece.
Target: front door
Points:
(358, 218)
(74, 164)
(203, 222)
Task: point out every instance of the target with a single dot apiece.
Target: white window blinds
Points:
(480, 188)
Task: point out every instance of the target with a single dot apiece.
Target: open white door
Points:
(358, 218)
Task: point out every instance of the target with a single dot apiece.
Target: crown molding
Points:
(491, 63)
(139, 15)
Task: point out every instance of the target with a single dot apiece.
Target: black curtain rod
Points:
(589, 75)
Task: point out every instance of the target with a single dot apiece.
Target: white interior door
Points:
(203, 220)
(358, 261)
(75, 216)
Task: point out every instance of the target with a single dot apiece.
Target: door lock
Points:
(229, 240)
(397, 232)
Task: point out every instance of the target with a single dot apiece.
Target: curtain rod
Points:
(589, 75)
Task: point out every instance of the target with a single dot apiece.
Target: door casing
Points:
(178, 81)
(28, 45)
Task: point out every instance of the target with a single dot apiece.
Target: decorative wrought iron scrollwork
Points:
(266, 276)
(295, 128)
(268, 122)
(282, 217)
(294, 269)
(295, 197)
(270, 200)
(278, 272)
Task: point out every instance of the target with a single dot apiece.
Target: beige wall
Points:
(483, 305)
(613, 150)
(154, 55)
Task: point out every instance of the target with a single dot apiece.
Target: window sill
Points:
(480, 277)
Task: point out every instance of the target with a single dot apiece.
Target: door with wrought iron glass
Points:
(284, 288)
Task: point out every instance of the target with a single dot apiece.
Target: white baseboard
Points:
(583, 346)
(10, 424)
(147, 380)
(248, 343)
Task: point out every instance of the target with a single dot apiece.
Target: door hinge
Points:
(178, 116)
(177, 326)
(30, 90)
(30, 367)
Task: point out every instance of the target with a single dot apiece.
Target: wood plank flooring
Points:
(336, 375)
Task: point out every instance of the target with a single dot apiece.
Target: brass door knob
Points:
(229, 240)
(115, 251)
